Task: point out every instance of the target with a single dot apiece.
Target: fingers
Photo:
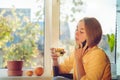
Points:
(58, 51)
(54, 56)
(79, 51)
(84, 48)
(52, 50)
(78, 46)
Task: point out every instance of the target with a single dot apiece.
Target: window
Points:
(30, 13)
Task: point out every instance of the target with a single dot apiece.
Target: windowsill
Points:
(25, 78)
(4, 76)
(34, 78)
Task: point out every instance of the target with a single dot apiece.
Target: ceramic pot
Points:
(15, 73)
(15, 68)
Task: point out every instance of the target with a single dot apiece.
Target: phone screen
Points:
(84, 43)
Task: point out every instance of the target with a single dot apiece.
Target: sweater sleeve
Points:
(67, 65)
(96, 66)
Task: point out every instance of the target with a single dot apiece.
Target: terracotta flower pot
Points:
(15, 65)
(15, 73)
(15, 68)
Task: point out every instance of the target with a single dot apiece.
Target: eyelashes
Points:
(80, 31)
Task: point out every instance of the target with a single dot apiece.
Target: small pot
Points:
(14, 65)
(15, 73)
(15, 68)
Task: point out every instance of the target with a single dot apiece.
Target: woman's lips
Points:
(76, 39)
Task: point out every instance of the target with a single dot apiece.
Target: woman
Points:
(88, 61)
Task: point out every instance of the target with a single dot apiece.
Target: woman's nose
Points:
(76, 33)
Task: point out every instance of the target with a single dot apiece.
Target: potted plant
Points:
(16, 54)
(25, 47)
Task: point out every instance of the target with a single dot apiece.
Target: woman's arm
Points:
(64, 67)
(67, 65)
(79, 63)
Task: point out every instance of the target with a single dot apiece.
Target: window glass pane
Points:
(23, 25)
(71, 11)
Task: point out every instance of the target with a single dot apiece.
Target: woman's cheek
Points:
(77, 42)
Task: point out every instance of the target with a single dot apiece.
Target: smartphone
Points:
(84, 43)
(79, 46)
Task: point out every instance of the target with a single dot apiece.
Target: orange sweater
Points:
(96, 65)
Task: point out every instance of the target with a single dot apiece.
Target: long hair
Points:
(93, 30)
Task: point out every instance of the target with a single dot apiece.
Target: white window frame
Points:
(48, 25)
(51, 32)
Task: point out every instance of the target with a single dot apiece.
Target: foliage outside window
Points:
(5, 31)
(27, 33)
(23, 35)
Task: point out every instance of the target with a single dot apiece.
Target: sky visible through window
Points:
(71, 11)
(31, 4)
(103, 10)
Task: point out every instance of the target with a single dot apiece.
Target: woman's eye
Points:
(81, 32)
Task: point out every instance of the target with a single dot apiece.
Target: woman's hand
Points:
(79, 51)
(54, 57)
(78, 54)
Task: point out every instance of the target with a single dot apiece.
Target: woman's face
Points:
(80, 34)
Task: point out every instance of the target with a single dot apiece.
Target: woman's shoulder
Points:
(99, 52)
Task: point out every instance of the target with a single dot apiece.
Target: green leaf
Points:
(111, 41)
